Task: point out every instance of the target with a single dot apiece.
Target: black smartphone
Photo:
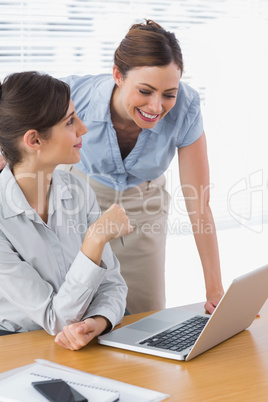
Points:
(58, 391)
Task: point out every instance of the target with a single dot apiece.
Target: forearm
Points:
(93, 247)
(110, 299)
(206, 241)
(194, 175)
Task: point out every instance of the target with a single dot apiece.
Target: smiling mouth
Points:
(148, 116)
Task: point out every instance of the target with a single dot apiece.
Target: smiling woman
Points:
(140, 99)
(137, 118)
(57, 271)
(145, 94)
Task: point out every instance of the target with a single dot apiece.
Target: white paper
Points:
(19, 386)
(16, 385)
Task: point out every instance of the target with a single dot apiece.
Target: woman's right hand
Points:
(112, 224)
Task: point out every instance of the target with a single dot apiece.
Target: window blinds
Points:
(78, 36)
(63, 37)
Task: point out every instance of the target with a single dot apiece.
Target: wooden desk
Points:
(235, 371)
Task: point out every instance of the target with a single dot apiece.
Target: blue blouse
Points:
(155, 148)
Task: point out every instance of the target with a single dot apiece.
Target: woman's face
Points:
(65, 142)
(147, 94)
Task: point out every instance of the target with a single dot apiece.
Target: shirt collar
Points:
(60, 190)
(99, 107)
(14, 202)
(158, 127)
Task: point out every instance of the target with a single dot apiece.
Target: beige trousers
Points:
(142, 259)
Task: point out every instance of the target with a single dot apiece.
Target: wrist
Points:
(215, 293)
(99, 233)
(103, 324)
(93, 247)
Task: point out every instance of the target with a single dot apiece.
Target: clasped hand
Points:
(112, 224)
(77, 335)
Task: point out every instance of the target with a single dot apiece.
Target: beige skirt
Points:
(142, 259)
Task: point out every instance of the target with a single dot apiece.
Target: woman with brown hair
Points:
(57, 271)
(137, 118)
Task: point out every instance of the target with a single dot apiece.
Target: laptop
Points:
(180, 334)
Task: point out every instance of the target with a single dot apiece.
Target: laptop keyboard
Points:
(178, 337)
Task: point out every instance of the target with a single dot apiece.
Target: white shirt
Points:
(45, 280)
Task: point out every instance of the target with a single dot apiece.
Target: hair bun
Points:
(148, 24)
(147, 45)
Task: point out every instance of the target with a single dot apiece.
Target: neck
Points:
(35, 185)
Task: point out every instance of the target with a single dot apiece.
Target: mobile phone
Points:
(58, 391)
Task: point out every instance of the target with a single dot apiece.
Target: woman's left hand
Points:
(77, 335)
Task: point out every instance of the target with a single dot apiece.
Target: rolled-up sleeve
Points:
(45, 279)
(110, 299)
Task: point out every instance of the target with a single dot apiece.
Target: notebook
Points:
(167, 332)
(16, 385)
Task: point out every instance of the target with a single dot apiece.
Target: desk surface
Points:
(236, 370)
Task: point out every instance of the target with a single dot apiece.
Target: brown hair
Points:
(147, 44)
(29, 100)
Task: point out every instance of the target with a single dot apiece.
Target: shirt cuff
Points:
(83, 270)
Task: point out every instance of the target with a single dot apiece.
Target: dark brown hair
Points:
(147, 44)
(29, 100)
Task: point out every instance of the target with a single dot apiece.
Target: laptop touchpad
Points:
(149, 325)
